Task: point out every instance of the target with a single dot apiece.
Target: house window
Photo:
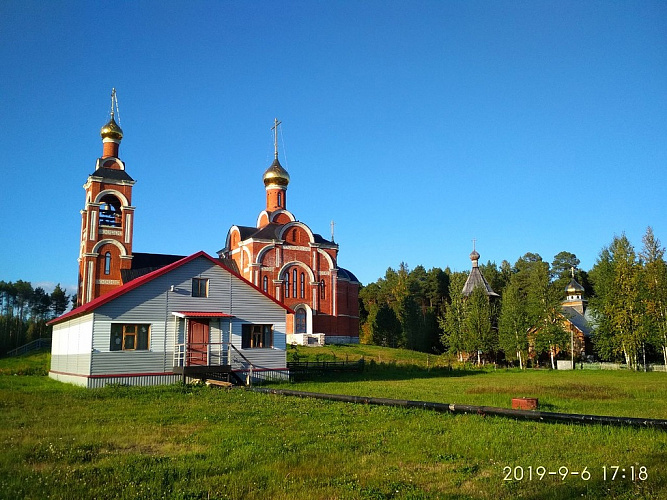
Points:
(265, 284)
(256, 336)
(126, 337)
(199, 287)
(107, 263)
(323, 293)
(302, 284)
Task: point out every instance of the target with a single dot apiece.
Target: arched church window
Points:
(294, 235)
(265, 284)
(280, 199)
(302, 284)
(287, 285)
(110, 214)
(107, 263)
(323, 293)
(300, 320)
(294, 283)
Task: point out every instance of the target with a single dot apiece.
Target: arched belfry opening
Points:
(110, 211)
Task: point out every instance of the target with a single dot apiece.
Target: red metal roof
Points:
(200, 314)
(103, 299)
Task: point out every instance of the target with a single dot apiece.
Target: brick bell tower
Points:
(107, 219)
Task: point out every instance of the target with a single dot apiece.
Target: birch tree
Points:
(513, 324)
(478, 334)
(625, 306)
(618, 306)
(544, 313)
(452, 323)
(654, 278)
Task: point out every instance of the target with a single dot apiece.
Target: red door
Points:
(198, 336)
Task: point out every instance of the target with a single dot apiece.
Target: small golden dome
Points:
(111, 130)
(276, 175)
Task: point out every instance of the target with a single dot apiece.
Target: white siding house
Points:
(190, 318)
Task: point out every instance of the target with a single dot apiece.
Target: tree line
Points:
(24, 312)
(426, 310)
(630, 301)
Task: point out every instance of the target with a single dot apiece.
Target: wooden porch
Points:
(201, 354)
(212, 361)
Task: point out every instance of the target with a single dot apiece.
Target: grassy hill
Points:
(61, 441)
(373, 353)
(33, 364)
(401, 374)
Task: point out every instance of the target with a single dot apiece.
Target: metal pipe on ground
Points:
(540, 416)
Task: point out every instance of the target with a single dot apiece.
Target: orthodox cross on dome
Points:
(275, 136)
(332, 230)
(474, 240)
(114, 105)
(572, 271)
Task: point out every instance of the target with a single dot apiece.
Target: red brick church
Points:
(281, 255)
(298, 267)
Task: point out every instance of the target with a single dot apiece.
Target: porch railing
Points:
(217, 354)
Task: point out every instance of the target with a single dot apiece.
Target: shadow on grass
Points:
(385, 371)
(548, 407)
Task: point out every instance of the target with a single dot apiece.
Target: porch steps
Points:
(222, 373)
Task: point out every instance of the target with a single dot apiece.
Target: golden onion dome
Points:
(276, 175)
(111, 130)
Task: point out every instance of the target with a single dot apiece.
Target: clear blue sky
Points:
(531, 126)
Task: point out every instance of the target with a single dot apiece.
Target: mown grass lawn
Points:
(61, 441)
(601, 393)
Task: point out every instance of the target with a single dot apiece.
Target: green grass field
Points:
(61, 441)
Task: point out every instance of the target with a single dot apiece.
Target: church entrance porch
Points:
(303, 328)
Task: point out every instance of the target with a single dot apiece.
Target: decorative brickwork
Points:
(106, 221)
